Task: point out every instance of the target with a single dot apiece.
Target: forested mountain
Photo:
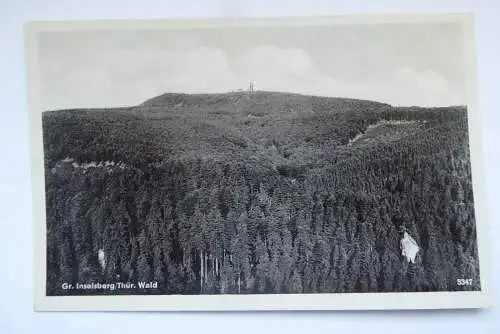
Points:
(260, 192)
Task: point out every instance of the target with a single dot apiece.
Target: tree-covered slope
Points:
(259, 193)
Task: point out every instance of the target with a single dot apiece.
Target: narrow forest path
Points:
(387, 130)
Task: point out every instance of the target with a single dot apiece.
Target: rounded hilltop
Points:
(249, 99)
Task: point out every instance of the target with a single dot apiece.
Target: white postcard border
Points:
(343, 301)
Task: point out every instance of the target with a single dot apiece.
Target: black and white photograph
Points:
(255, 157)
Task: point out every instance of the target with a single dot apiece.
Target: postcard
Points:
(307, 163)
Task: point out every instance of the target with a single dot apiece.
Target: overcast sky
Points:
(401, 64)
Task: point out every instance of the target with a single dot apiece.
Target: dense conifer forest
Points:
(262, 192)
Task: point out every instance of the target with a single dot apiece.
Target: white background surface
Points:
(16, 315)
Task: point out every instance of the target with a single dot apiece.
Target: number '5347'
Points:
(464, 281)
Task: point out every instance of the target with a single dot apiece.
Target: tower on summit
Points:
(251, 87)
